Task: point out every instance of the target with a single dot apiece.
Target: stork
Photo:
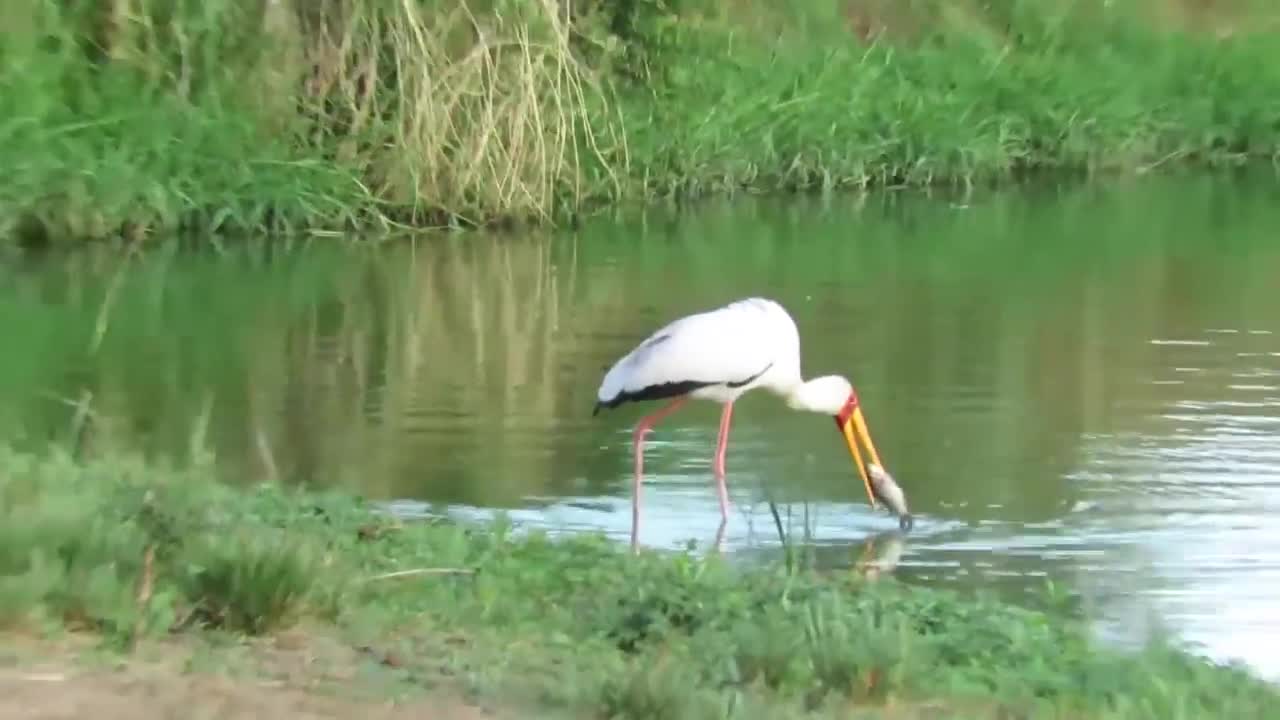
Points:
(719, 355)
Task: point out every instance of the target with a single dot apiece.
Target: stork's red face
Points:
(854, 428)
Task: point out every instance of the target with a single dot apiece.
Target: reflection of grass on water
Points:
(130, 553)
(294, 367)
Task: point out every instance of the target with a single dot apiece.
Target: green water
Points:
(1080, 385)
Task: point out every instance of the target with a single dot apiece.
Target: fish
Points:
(886, 490)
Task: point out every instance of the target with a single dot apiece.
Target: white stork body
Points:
(719, 355)
(715, 355)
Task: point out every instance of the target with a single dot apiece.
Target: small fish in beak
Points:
(886, 490)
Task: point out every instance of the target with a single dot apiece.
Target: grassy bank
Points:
(153, 562)
(130, 116)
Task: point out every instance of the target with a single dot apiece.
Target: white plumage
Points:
(719, 355)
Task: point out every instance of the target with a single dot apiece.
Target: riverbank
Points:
(132, 122)
(115, 573)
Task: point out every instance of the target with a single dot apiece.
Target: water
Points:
(1073, 385)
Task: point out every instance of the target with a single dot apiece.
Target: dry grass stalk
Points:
(145, 584)
(476, 116)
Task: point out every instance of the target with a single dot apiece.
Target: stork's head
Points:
(827, 395)
(834, 395)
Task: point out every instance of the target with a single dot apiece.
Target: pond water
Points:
(1076, 385)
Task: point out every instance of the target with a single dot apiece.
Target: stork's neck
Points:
(827, 394)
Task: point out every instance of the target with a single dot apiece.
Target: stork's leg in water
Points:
(721, 445)
(642, 428)
(719, 544)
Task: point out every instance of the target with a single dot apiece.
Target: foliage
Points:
(971, 102)
(573, 623)
(134, 116)
(121, 547)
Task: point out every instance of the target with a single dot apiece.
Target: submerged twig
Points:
(777, 522)
(787, 550)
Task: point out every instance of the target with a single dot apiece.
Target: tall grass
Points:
(137, 114)
(440, 108)
(949, 94)
(134, 115)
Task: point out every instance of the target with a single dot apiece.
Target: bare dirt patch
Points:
(277, 679)
(199, 697)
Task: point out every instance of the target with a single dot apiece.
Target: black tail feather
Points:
(659, 391)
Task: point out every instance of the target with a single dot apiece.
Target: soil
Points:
(282, 679)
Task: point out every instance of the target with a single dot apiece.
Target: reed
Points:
(134, 116)
(443, 108)
(947, 94)
(140, 115)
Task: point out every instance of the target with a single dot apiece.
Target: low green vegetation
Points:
(125, 117)
(132, 553)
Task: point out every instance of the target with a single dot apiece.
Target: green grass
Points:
(573, 626)
(966, 103)
(135, 116)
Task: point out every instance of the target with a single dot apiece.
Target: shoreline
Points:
(163, 571)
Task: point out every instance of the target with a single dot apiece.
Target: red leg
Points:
(642, 428)
(721, 445)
